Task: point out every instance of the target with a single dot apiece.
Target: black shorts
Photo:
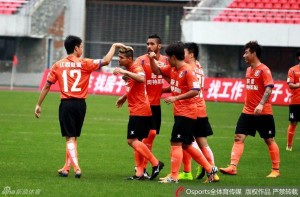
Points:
(203, 128)
(138, 127)
(249, 124)
(71, 116)
(183, 130)
(294, 113)
(156, 118)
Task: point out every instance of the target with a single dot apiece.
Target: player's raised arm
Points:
(108, 57)
(154, 63)
(135, 76)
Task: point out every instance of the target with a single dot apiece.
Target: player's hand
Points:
(37, 111)
(119, 45)
(125, 78)
(258, 109)
(160, 64)
(170, 99)
(120, 102)
(119, 70)
(152, 55)
(129, 48)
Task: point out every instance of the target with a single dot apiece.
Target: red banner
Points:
(233, 90)
(216, 89)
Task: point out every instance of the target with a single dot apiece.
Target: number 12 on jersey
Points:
(75, 74)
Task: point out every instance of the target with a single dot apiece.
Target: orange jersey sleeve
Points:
(154, 83)
(165, 70)
(137, 98)
(199, 100)
(182, 81)
(73, 76)
(257, 80)
(294, 77)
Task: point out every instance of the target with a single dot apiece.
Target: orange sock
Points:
(187, 161)
(208, 154)
(145, 152)
(176, 159)
(274, 154)
(149, 140)
(290, 134)
(149, 143)
(138, 163)
(236, 152)
(199, 157)
(71, 150)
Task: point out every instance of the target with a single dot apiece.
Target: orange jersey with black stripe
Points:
(257, 80)
(137, 98)
(294, 77)
(182, 81)
(73, 75)
(154, 83)
(199, 100)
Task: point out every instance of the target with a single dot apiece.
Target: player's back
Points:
(73, 76)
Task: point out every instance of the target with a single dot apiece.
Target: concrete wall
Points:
(14, 25)
(21, 79)
(75, 22)
(222, 33)
(34, 50)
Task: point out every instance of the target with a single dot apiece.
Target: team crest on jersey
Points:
(257, 73)
(182, 73)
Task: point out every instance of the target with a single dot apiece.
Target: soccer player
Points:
(184, 87)
(257, 113)
(73, 74)
(154, 84)
(293, 81)
(140, 113)
(203, 128)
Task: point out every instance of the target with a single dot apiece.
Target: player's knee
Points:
(239, 138)
(269, 141)
(129, 141)
(294, 124)
(152, 134)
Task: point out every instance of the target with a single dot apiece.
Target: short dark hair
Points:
(71, 42)
(127, 52)
(155, 36)
(253, 46)
(175, 49)
(192, 48)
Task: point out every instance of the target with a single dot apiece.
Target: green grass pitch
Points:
(31, 150)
